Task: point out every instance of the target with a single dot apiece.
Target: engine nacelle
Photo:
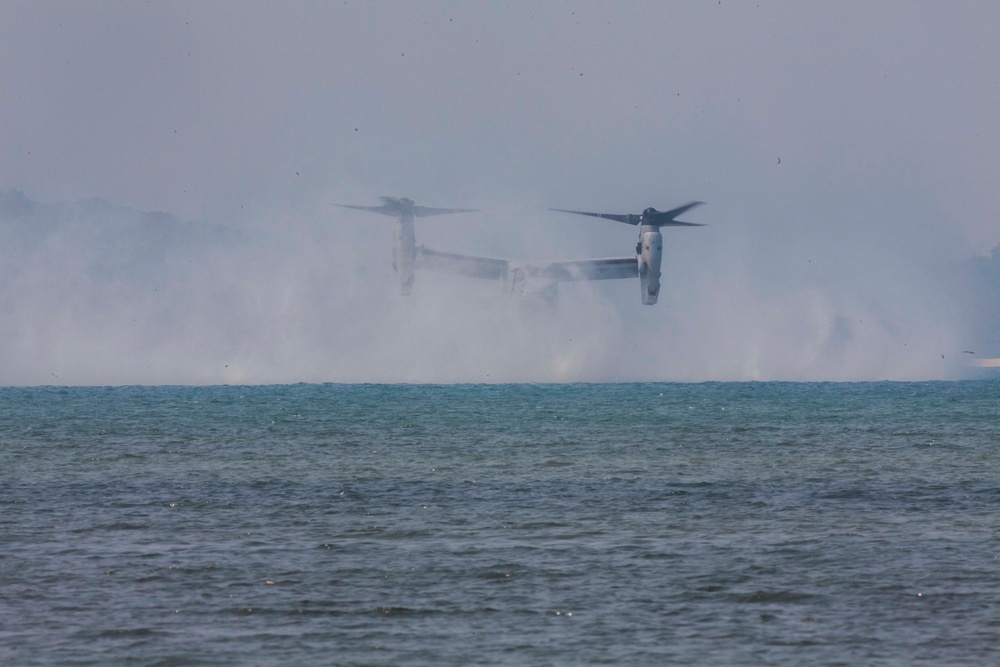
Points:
(650, 255)
(404, 251)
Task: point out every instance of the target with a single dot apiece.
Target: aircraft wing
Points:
(464, 265)
(583, 269)
(499, 269)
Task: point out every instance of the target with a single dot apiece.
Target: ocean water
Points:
(631, 524)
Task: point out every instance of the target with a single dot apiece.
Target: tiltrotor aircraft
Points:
(516, 275)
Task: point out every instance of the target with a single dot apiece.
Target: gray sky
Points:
(841, 146)
(197, 107)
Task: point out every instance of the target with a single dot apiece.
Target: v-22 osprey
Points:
(542, 275)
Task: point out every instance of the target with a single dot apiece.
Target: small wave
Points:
(774, 597)
(393, 610)
(127, 632)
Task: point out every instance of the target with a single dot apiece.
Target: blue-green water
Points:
(725, 524)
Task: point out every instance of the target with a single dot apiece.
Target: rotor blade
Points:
(626, 218)
(665, 218)
(424, 211)
(384, 210)
(677, 223)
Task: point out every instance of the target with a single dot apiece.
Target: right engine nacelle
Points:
(650, 250)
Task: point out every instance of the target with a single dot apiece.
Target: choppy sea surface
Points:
(630, 524)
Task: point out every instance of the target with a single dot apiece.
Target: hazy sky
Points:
(197, 107)
(839, 145)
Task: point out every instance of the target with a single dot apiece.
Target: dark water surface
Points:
(725, 524)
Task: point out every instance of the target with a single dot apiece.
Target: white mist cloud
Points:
(846, 152)
(98, 294)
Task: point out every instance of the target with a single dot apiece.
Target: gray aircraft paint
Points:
(650, 256)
